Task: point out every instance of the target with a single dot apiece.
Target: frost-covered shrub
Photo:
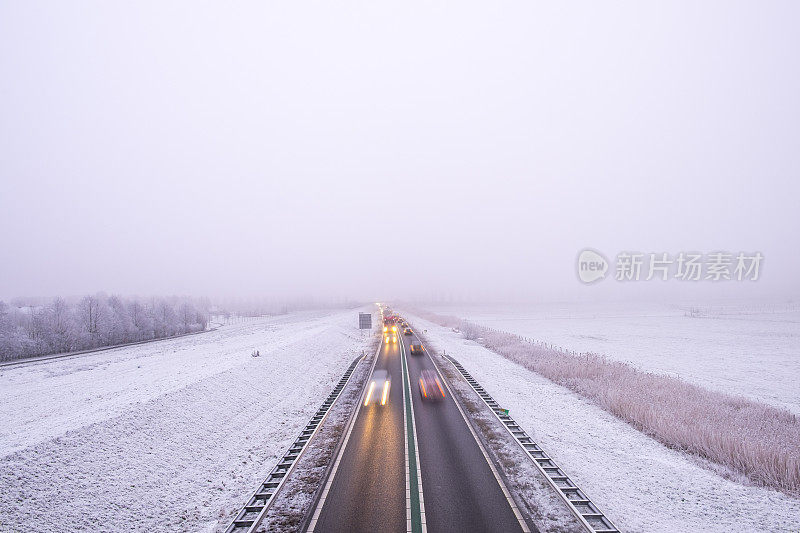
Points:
(747, 436)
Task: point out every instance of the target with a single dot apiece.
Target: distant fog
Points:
(441, 152)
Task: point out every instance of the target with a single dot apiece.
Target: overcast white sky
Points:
(376, 149)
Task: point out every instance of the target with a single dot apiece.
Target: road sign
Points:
(364, 320)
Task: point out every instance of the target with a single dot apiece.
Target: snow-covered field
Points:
(751, 349)
(639, 483)
(167, 436)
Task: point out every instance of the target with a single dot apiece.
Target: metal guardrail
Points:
(587, 512)
(253, 512)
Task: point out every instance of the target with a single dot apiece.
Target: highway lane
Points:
(368, 492)
(460, 489)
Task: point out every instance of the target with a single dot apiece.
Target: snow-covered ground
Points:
(167, 436)
(640, 484)
(751, 349)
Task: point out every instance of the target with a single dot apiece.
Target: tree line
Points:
(63, 325)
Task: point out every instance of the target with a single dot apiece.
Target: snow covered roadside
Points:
(295, 504)
(746, 348)
(640, 484)
(166, 436)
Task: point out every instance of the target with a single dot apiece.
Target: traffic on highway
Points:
(411, 461)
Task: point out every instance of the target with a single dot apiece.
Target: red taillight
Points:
(440, 387)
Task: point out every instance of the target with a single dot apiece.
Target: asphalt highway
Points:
(368, 492)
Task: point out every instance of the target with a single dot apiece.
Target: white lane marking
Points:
(497, 477)
(405, 447)
(328, 483)
(416, 447)
(419, 468)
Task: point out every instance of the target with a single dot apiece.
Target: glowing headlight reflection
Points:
(385, 393)
(369, 393)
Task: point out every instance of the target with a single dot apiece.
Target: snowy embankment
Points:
(167, 436)
(745, 348)
(639, 483)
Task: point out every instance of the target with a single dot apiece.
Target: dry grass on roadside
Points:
(749, 437)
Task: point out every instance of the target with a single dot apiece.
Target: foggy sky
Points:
(377, 150)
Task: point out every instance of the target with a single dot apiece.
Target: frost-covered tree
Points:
(10, 341)
(63, 332)
(90, 318)
(123, 328)
(35, 327)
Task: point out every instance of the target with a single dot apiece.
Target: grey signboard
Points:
(364, 321)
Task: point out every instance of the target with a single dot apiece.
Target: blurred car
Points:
(407, 331)
(417, 349)
(378, 389)
(430, 388)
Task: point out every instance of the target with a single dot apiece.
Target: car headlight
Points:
(385, 395)
(369, 393)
